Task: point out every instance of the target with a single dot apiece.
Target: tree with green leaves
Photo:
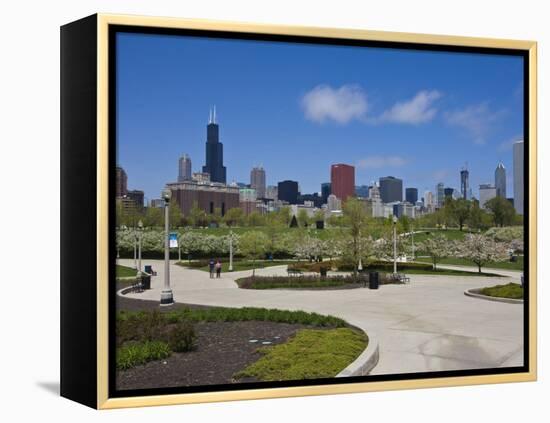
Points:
(502, 210)
(197, 216)
(252, 245)
(175, 215)
(303, 218)
(234, 217)
(255, 219)
(154, 217)
(355, 218)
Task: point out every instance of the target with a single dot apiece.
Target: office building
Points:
(288, 191)
(334, 203)
(325, 191)
(271, 192)
(518, 176)
(391, 189)
(500, 180)
(137, 196)
(257, 181)
(207, 196)
(429, 203)
(486, 193)
(439, 195)
(184, 173)
(342, 181)
(465, 184)
(411, 195)
(203, 177)
(314, 198)
(362, 191)
(214, 151)
(448, 192)
(121, 187)
(156, 203)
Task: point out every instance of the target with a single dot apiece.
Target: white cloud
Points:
(477, 120)
(414, 111)
(324, 103)
(377, 162)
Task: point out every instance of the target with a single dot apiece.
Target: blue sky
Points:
(298, 108)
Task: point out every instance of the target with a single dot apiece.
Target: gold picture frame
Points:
(102, 22)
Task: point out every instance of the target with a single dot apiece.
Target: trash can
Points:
(149, 269)
(373, 280)
(145, 281)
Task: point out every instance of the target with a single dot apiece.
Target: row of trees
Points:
(460, 212)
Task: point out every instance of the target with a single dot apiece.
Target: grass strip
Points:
(511, 290)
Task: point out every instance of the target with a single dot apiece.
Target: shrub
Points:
(182, 337)
(134, 354)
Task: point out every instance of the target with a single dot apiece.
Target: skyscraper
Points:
(391, 189)
(465, 183)
(486, 193)
(121, 188)
(325, 191)
(411, 195)
(342, 180)
(288, 191)
(518, 176)
(362, 191)
(214, 151)
(184, 168)
(500, 180)
(271, 192)
(257, 181)
(440, 194)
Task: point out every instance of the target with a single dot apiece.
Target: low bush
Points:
(271, 282)
(134, 354)
(182, 337)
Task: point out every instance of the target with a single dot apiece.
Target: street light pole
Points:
(230, 251)
(166, 296)
(135, 248)
(140, 230)
(394, 244)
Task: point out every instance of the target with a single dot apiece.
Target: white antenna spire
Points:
(210, 115)
(214, 114)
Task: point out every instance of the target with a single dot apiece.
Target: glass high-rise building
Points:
(325, 191)
(465, 184)
(440, 194)
(411, 195)
(214, 151)
(288, 191)
(500, 180)
(257, 181)
(391, 189)
(184, 173)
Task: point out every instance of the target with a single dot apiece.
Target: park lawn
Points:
(506, 265)
(311, 354)
(239, 265)
(451, 234)
(125, 271)
(511, 290)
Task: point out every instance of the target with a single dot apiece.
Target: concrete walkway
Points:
(427, 325)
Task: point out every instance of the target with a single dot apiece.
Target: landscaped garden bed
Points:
(189, 345)
(511, 290)
(302, 282)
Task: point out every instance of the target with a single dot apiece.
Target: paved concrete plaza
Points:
(427, 325)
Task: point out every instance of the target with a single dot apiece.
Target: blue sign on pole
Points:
(173, 240)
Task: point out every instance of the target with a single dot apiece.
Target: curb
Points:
(366, 361)
(474, 293)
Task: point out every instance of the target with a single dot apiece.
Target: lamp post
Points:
(135, 247)
(394, 244)
(230, 251)
(166, 296)
(140, 230)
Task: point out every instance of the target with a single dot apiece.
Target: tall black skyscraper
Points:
(465, 184)
(411, 195)
(391, 189)
(214, 151)
(325, 191)
(288, 191)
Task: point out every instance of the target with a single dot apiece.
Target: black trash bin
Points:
(373, 280)
(149, 269)
(145, 281)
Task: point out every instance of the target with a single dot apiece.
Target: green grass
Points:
(451, 234)
(310, 354)
(438, 272)
(511, 290)
(125, 272)
(239, 265)
(222, 314)
(505, 265)
(134, 354)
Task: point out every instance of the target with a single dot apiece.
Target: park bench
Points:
(294, 272)
(137, 286)
(399, 277)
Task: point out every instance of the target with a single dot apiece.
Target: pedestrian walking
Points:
(218, 268)
(211, 265)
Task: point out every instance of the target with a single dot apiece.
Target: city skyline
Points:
(382, 127)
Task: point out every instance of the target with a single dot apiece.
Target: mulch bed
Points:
(223, 349)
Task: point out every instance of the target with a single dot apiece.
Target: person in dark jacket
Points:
(211, 265)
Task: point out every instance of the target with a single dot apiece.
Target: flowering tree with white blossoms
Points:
(481, 250)
(438, 247)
